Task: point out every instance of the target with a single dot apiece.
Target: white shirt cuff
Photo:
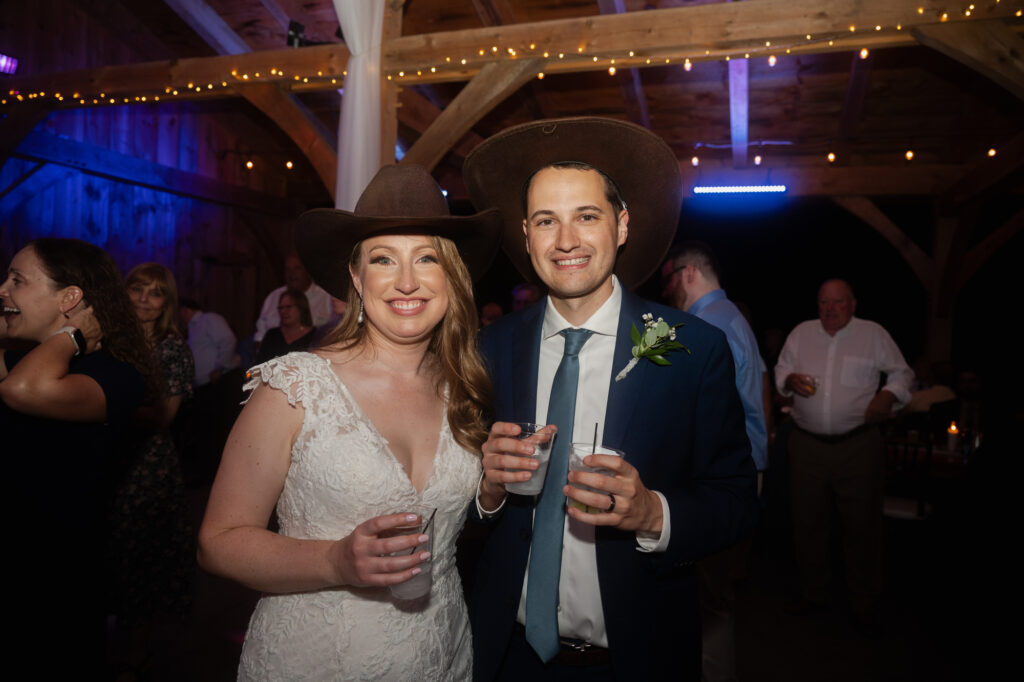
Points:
(653, 542)
(483, 513)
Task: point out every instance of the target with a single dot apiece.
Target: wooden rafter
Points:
(492, 84)
(977, 256)
(309, 135)
(920, 262)
(95, 160)
(988, 47)
(632, 87)
(419, 113)
(700, 32)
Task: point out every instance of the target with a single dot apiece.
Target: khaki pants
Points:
(847, 476)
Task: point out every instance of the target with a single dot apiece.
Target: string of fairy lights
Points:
(454, 68)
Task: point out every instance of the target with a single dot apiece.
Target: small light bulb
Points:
(909, 155)
(992, 152)
(288, 165)
(248, 164)
(757, 160)
(771, 60)
(864, 53)
(831, 157)
(540, 76)
(695, 162)
(611, 70)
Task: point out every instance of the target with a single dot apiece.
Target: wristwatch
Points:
(77, 338)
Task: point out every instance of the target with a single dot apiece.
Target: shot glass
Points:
(541, 437)
(576, 455)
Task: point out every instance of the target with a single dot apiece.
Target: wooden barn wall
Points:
(210, 247)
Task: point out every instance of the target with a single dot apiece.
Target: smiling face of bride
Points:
(403, 286)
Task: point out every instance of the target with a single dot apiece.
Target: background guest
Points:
(64, 408)
(152, 540)
(832, 366)
(298, 278)
(296, 331)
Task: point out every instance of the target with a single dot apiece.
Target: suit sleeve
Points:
(716, 506)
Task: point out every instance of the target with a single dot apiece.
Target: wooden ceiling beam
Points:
(699, 32)
(818, 180)
(986, 173)
(96, 160)
(493, 84)
(920, 262)
(309, 135)
(418, 113)
(632, 87)
(294, 120)
(988, 47)
(977, 256)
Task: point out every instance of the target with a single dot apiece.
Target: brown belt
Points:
(575, 652)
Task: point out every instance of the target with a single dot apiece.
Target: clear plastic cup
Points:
(576, 455)
(541, 437)
(419, 585)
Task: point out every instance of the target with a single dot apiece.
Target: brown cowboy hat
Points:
(399, 200)
(639, 162)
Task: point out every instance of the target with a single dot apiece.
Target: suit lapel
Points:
(522, 373)
(623, 395)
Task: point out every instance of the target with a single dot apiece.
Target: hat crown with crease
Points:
(400, 200)
(641, 164)
(402, 191)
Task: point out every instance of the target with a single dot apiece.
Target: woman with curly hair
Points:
(152, 543)
(65, 406)
(357, 444)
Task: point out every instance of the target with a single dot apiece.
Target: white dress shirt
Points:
(848, 366)
(213, 345)
(580, 613)
(319, 308)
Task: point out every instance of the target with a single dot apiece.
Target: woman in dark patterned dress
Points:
(153, 542)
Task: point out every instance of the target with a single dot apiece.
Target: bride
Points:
(386, 418)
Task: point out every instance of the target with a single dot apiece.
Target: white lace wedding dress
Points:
(342, 473)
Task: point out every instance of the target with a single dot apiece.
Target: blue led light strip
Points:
(738, 189)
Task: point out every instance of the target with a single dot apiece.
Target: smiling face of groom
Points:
(573, 233)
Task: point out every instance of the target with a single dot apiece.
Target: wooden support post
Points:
(493, 84)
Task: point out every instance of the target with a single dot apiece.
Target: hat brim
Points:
(325, 238)
(640, 163)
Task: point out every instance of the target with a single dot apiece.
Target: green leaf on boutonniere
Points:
(657, 339)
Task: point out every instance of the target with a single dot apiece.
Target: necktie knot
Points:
(574, 340)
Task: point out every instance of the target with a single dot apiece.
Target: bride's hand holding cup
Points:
(373, 555)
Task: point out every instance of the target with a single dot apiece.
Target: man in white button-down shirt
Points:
(833, 366)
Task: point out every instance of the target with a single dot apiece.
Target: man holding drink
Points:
(603, 589)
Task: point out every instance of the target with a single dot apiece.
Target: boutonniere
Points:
(657, 339)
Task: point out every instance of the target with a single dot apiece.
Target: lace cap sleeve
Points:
(290, 374)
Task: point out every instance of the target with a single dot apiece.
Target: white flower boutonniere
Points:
(657, 339)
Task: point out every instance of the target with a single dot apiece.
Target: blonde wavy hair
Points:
(470, 394)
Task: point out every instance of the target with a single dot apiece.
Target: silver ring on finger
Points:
(611, 507)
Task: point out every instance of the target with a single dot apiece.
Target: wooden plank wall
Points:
(210, 247)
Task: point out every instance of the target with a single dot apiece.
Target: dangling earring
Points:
(359, 320)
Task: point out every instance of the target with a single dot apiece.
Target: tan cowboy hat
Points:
(639, 162)
(399, 200)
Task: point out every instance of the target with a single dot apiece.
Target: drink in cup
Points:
(541, 437)
(419, 585)
(576, 455)
(811, 383)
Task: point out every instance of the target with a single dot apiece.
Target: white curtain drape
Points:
(359, 129)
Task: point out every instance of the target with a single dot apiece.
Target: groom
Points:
(591, 206)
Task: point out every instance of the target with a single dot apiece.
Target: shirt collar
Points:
(706, 300)
(842, 331)
(604, 321)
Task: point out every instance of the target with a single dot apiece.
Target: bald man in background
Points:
(833, 366)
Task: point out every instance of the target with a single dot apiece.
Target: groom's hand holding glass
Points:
(634, 508)
(509, 458)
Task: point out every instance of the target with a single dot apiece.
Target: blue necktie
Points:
(549, 518)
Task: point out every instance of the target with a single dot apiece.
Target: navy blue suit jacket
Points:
(682, 428)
